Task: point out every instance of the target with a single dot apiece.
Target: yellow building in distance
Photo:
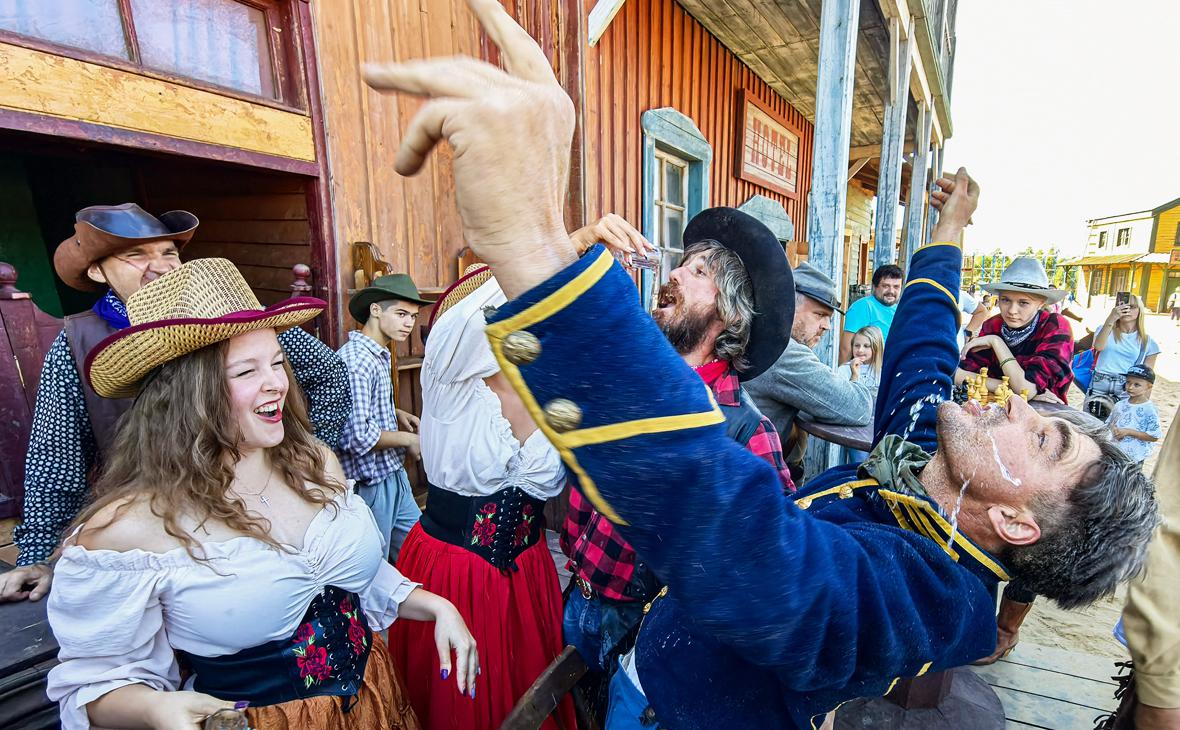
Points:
(1137, 252)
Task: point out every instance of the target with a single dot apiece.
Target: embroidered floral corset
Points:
(327, 655)
(497, 527)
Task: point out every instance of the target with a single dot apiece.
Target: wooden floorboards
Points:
(1042, 687)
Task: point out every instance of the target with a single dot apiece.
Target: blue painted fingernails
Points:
(473, 693)
(446, 673)
(241, 705)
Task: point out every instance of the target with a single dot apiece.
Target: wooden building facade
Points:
(253, 115)
(1137, 252)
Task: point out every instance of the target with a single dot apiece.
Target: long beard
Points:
(685, 328)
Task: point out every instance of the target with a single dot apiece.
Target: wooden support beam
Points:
(857, 166)
(894, 148)
(915, 213)
(873, 151)
(600, 17)
(919, 84)
(936, 163)
(826, 207)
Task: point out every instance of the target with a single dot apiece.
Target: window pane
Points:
(219, 41)
(92, 25)
(674, 228)
(674, 183)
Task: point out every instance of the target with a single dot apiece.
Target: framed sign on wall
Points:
(767, 151)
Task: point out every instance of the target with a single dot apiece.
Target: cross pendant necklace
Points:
(265, 501)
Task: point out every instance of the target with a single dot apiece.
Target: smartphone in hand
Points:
(1122, 299)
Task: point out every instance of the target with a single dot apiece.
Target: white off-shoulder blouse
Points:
(467, 445)
(119, 616)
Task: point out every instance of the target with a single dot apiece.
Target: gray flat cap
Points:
(816, 285)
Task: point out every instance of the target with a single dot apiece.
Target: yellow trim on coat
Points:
(937, 243)
(960, 540)
(556, 301)
(833, 490)
(920, 516)
(549, 306)
(936, 285)
(566, 442)
(643, 427)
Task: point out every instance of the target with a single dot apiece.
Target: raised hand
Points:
(510, 131)
(616, 233)
(956, 200)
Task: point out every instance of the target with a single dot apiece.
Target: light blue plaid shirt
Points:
(368, 366)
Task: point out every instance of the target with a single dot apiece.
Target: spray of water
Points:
(955, 513)
(1004, 473)
(916, 410)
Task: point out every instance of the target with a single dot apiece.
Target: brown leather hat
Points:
(104, 230)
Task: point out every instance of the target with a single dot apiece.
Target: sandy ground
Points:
(1089, 630)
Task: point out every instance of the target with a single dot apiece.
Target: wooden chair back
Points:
(542, 698)
(25, 336)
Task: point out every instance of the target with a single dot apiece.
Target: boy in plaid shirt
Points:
(707, 311)
(372, 448)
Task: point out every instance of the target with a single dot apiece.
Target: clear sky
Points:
(1065, 110)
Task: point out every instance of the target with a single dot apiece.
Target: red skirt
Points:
(515, 619)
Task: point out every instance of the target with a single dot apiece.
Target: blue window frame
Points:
(676, 162)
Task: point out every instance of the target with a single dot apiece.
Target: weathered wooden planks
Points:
(780, 42)
(43, 83)
(1043, 687)
(655, 55)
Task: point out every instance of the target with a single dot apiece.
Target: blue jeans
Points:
(629, 709)
(394, 508)
(594, 626)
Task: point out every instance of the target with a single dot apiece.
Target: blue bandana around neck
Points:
(113, 311)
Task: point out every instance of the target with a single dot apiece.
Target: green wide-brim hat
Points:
(384, 288)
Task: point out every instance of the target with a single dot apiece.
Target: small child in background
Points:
(868, 347)
(1135, 422)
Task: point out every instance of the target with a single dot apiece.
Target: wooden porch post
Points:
(916, 208)
(826, 206)
(935, 173)
(892, 143)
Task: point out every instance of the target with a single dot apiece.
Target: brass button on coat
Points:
(521, 347)
(845, 492)
(563, 415)
(803, 503)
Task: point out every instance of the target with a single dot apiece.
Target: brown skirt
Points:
(380, 705)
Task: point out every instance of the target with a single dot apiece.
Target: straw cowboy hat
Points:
(771, 281)
(202, 303)
(474, 276)
(104, 230)
(1027, 276)
(384, 288)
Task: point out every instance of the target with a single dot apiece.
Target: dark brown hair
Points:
(178, 445)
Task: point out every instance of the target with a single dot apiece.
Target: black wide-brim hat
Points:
(771, 281)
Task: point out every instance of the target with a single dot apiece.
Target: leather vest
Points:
(83, 333)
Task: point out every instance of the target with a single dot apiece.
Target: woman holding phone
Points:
(1121, 342)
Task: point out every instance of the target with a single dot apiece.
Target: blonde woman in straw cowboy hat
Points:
(232, 547)
(116, 249)
(1025, 341)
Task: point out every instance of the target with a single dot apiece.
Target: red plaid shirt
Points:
(599, 555)
(1045, 356)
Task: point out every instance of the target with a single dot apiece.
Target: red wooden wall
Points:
(653, 55)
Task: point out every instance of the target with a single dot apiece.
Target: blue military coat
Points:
(776, 611)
